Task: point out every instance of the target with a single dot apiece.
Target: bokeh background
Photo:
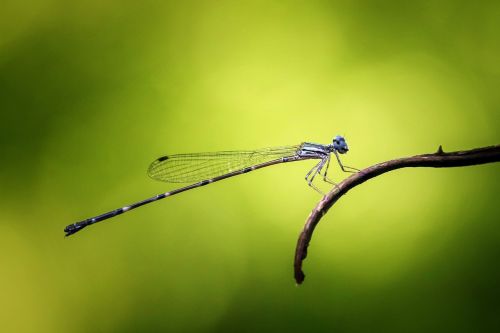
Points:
(92, 91)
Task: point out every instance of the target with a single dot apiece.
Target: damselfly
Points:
(207, 168)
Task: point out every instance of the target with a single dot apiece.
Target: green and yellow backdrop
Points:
(92, 91)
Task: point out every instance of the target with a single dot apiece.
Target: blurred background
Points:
(93, 91)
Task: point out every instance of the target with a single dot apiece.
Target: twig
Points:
(439, 159)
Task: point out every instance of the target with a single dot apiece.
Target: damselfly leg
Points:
(312, 173)
(325, 178)
(345, 168)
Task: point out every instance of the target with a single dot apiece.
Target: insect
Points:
(206, 168)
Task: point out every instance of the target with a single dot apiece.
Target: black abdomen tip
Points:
(72, 228)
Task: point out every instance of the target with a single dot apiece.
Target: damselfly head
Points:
(340, 145)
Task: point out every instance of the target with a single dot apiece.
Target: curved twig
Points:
(440, 159)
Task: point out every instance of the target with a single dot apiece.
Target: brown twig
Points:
(439, 159)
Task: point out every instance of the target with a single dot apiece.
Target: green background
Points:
(92, 91)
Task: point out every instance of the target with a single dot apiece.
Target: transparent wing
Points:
(182, 168)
